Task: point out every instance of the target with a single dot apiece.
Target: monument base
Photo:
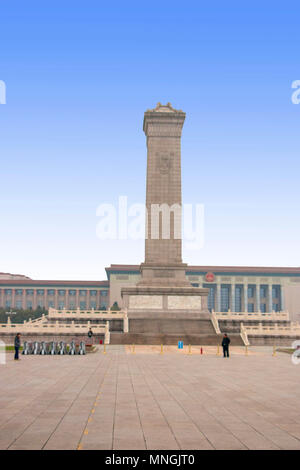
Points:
(165, 302)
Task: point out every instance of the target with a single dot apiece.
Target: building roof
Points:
(254, 270)
(47, 283)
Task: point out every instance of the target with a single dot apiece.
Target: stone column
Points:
(245, 297)
(34, 304)
(13, 293)
(218, 309)
(270, 298)
(282, 299)
(56, 298)
(232, 294)
(257, 296)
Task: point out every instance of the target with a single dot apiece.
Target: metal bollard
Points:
(190, 349)
(133, 349)
(274, 351)
(36, 348)
(81, 350)
(43, 350)
(72, 350)
(246, 350)
(25, 348)
(218, 350)
(161, 349)
(104, 349)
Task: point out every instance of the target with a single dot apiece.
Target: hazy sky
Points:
(79, 76)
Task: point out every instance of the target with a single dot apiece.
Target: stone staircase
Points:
(170, 331)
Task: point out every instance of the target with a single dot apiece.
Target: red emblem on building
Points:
(209, 277)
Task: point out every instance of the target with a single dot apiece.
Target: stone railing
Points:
(215, 323)
(55, 328)
(244, 335)
(90, 315)
(243, 316)
(293, 329)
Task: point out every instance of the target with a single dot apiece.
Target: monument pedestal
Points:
(165, 302)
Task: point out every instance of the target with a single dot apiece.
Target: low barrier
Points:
(54, 348)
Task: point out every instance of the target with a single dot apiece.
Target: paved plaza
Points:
(148, 400)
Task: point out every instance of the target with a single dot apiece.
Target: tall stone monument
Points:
(164, 290)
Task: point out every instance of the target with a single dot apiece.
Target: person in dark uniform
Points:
(225, 344)
(90, 335)
(17, 346)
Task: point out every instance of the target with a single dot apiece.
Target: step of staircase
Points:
(168, 326)
(172, 339)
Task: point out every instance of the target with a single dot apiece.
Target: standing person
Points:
(17, 346)
(225, 344)
(90, 335)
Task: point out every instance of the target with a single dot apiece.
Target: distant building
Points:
(237, 289)
(234, 288)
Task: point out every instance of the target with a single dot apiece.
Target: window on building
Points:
(40, 304)
(263, 292)
(8, 303)
(263, 308)
(104, 293)
(82, 293)
(104, 306)
(250, 292)
(7, 291)
(50, 304)
(211, 296)
(19, 291)
(50, 291)
(72, 292)
(72, 305)
(29, 292)
(61, 304)
(29, 304)
(225, 298)
(251, 307)
(238, 298)
(18, 304)
(275, 307)
(40, 291)
(275, 292)
(61, 292)
(82, 305)
(93, 293)
(93, 304)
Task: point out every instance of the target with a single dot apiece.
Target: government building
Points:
(238, 289)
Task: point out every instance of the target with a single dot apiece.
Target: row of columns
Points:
(55, 298)
(245, 299)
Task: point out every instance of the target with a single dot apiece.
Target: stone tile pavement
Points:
(146, 400)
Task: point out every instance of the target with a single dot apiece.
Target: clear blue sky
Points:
(79, 77)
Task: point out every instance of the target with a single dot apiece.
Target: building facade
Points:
(238, 289)
(27, 294)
